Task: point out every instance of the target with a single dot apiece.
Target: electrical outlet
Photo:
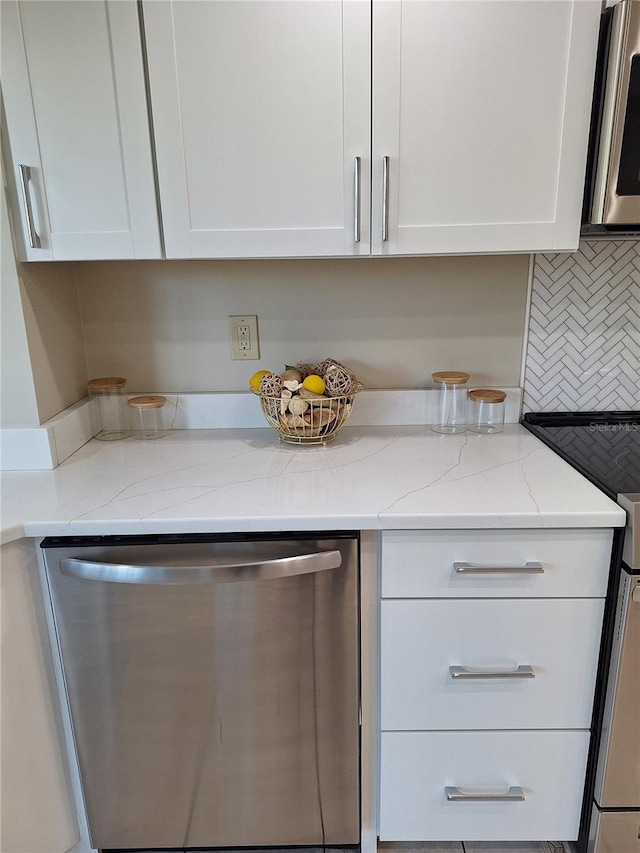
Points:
(243, 334)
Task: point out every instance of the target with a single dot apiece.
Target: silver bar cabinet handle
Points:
(356, 198)
(258, 570)
(25, 177)
(513, 794)
(462, 672)
(530, 568)
(385, 199)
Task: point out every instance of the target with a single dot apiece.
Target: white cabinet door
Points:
(431, 563)
(482, 109)
(417, 767)
(543, 655)
(75, 102)
(260, 110)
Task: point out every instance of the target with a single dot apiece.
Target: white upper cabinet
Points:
(78, 143)
(260, 111)
(264, 138)
(482, 109)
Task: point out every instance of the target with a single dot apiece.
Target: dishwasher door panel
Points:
(214, 714)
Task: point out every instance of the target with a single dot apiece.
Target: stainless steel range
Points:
(605, 447)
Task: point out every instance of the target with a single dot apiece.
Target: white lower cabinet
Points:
(421, 564)
(543, 655)
(488, 667)
(417, 767)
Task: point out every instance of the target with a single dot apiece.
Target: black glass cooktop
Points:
(604, 446)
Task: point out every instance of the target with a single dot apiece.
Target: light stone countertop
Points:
(245, 480)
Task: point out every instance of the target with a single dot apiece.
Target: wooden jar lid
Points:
(147, 401)
(487, 395)
(452, 377)
(106, 383)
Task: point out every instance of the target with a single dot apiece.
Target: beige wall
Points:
(42, 356)
(164, 326)
(18, 401)
(35, 796)
(54, 331)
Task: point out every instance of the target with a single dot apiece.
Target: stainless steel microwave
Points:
(614, 198)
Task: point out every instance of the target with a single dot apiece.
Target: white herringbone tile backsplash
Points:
(583, 351)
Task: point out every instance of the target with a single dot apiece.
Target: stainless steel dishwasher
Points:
(213, 687)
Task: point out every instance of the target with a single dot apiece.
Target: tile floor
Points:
(475, 847)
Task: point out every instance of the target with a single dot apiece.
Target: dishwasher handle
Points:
(258, 570)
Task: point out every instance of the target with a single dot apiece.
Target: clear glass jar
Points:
(108, 408)
(147, 416)
(451, 401)
(486, 410)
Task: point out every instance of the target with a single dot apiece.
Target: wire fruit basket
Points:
(317, 424)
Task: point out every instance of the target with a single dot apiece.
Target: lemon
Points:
(254, 382)
(314, 383)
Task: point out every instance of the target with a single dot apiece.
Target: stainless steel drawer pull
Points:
(25, 178)
(530, 568)
(513, 795)
(356, 198)
(463, 672)
(282, 567)
(385, 199)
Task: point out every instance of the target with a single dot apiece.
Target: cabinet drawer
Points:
(558, 638)
(416, 767)
(418, 563)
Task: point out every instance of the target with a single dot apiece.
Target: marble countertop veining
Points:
(244, 479)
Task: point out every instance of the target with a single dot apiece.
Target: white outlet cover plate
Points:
(252, 351)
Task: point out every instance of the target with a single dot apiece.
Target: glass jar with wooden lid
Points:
(147, 416)
(108, 411)
(486, 410)
(451, 401)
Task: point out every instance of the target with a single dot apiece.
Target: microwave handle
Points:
(259, 570)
